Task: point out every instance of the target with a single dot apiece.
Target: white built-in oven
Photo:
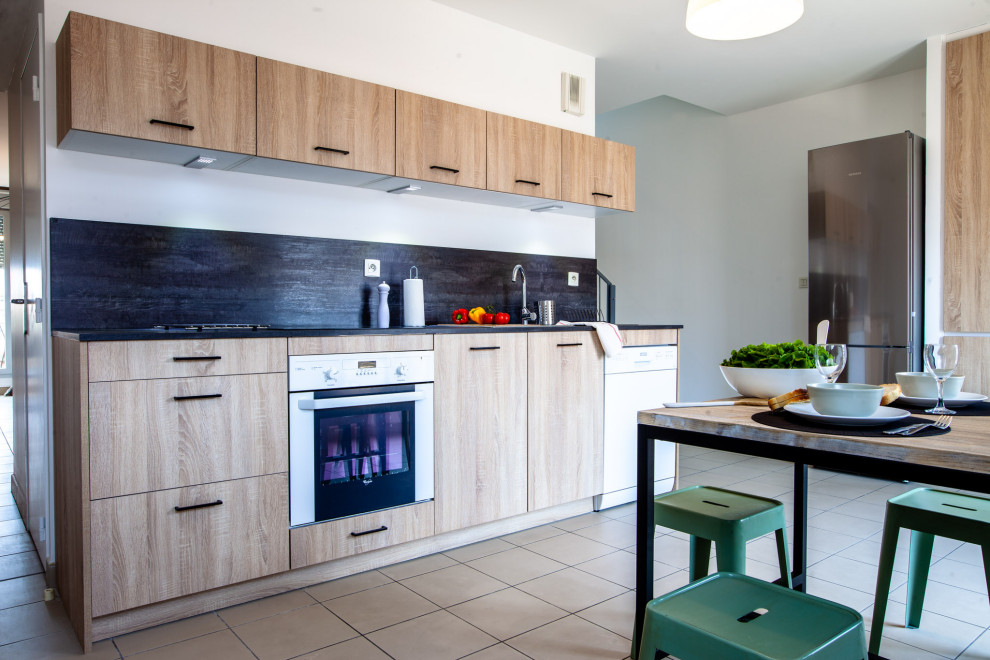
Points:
(360, 433)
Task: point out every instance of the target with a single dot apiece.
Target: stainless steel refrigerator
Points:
(865, 252)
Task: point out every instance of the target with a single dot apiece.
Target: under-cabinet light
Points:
(199, 162)
(550, 207)
(404, 189)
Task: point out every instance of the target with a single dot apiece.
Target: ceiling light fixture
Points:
(728, 20)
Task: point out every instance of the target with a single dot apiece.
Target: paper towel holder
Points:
(412, 300)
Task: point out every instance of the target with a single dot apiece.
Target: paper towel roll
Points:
(412, 303)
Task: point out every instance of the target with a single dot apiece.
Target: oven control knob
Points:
(330, 376)
(402, 370)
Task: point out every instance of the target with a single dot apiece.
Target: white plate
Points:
(883, 415)
(964, 399)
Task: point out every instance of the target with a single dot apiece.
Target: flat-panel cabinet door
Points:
(156, 546)
(966, 234)
(597, 171)
(158, 434)
(480, 430)
(566, 395)
(523, 157)
(122, 80)
(311, 116)
(439, 141)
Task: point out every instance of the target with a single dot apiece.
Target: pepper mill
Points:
(383, 305)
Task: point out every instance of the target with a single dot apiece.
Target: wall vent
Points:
(572, 94)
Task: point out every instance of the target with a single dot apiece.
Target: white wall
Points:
(719, 239)
(415, 45)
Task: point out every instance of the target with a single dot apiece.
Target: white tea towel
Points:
(608, 335)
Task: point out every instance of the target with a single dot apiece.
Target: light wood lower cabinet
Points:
(334, 539)
(166, 433)
(480, 431)
(154, 546)
(566, 380)
(184, 358)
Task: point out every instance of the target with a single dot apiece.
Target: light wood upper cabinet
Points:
(439, 141)
(523, 157)
(566, 383)
(966, 287)
(597, 171)
(480, 430)
(311, 116)
(127, 81)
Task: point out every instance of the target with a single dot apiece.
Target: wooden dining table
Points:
(959, 459)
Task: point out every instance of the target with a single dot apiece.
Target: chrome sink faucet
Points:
(527, 315)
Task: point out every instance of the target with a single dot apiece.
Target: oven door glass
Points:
(364, 455)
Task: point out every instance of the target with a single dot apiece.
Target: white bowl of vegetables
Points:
(764, 371)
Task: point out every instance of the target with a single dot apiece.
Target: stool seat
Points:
(928, 513)
(727, 518)
(735, 617)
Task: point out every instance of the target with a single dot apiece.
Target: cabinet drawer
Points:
(157, 434)
(649, 337)
(359, 344)
(144, 551)
(334, 539)
(132, 360)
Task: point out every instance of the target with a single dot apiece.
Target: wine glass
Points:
(830, 360)
(940, 362)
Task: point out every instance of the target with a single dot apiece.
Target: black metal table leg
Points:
(799, 566)
(645, 449)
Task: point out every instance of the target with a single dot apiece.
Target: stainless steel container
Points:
(547, 311)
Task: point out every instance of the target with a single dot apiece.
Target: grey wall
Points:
(719, 238)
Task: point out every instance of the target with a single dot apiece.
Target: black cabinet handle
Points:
(193, 358)
(197, 396)
(188, 127)
(17, 301)
(485, 348)
(532, 183)
(445, 169)
(602, 194)
(198, 506)
(332, 150)
(577, 343)
(370, 531)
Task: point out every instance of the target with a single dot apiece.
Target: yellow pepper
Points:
(477, 314)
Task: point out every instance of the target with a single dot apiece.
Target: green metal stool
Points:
(728, 518)
(927, 513)
(727, 616)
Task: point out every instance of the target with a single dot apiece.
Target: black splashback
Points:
(117, 275)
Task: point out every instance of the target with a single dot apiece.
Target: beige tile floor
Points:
(556, 591)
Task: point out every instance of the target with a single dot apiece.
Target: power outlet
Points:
(372, 267)
(572, 279)
(802, 282)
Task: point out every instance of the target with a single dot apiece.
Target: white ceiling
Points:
(643, 50)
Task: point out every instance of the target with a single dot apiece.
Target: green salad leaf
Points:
(786, 355)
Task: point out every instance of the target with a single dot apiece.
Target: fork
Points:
(942, 422)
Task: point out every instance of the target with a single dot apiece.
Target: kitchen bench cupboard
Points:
(131, 92)
(170, 469)
(127, 453)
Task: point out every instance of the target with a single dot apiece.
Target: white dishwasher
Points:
(639, 378)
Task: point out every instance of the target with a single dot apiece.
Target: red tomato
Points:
(488, 318)
(501, 318)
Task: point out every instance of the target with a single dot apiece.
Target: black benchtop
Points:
(239, 333)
